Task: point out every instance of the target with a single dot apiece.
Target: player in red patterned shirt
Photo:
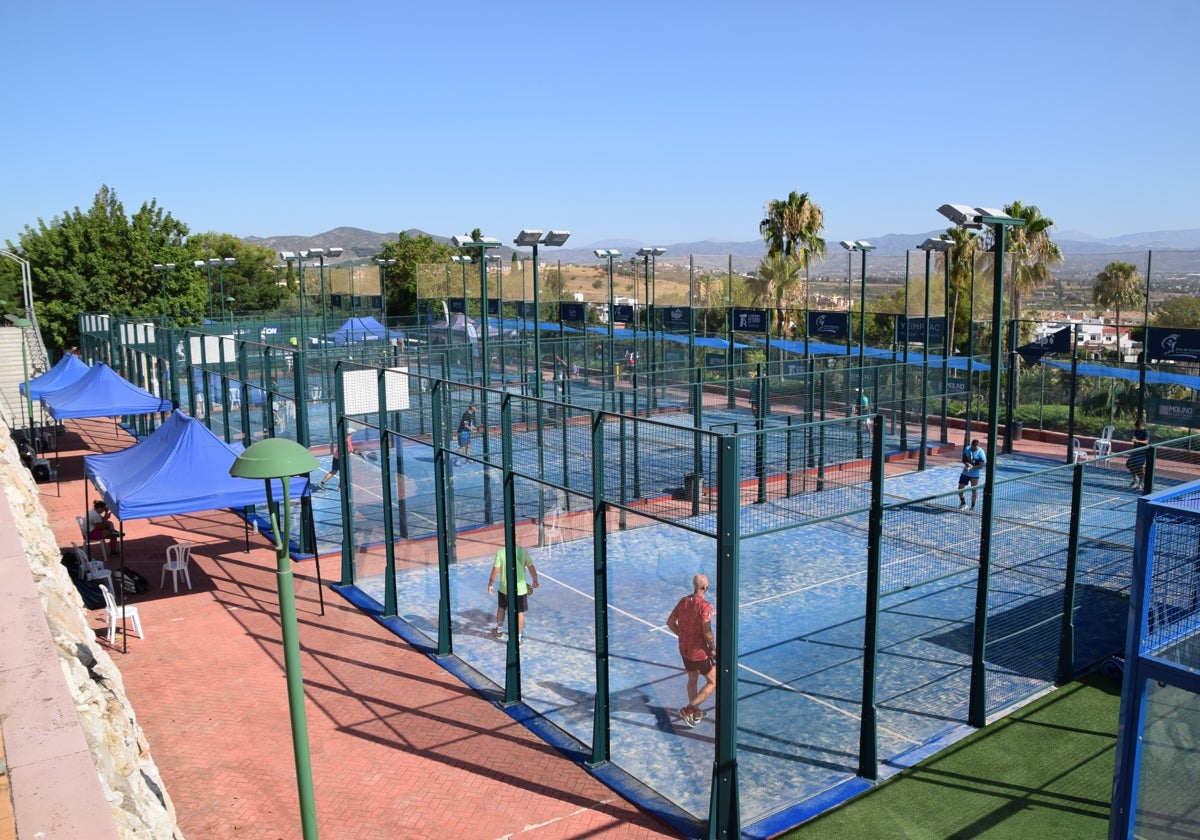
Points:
(691, 621)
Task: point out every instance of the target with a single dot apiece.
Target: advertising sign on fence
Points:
(1163, 345)
(572, 312)
(458, 304)
(822, 325)
(750, 320)
(1170, 412)
(912, 330)
(676, 317)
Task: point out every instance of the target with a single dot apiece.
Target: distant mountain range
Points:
(1084, 254)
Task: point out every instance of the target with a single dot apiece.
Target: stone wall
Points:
(78, 762)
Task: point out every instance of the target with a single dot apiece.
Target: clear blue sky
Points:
(659, 122)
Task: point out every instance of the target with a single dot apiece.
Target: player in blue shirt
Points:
(973, 463)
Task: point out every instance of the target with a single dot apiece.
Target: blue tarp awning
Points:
(70, 369)
(361, 330)
(181, 468)
(1153, 377)
(102, 393)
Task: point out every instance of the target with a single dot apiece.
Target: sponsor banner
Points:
(1170, 412)
(493, 306)
(458, 304)
(822, 325)
(750, 320)
(714, 360)
(957, 385)
(525, 309)
(623, 313)
(1163, 345)
(575, 312)
(912, 330)
(676, 317)
(794, 370)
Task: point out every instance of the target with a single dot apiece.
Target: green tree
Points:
(779, 276)
(963, 253)
(250, 280)
(1031, 252)
(1118, 286)
(1179, 312)
(400, 280)
(792, 227)
(102, 261)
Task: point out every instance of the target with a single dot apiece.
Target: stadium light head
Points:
(229, 261)
(864, 246)
(335, 252)
(556, 237)
(848, 245)
(286, 256)
(606, 253)
(527, 238)
(202, 263)
(651, 252)
(933, 244)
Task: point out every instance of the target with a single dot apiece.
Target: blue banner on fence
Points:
(1163, 345)
(1170, 412)
(572, 312)
(828, 325)
(622, 313)
(493, 306)
(676, 317)
(751, 320)
(912, 330)
(458, 304)
(713, 360)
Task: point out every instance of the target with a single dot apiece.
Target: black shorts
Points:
(337, 465)
(964, 480)
(700, 666)
(522, 602)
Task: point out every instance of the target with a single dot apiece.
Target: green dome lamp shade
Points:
(273, 458)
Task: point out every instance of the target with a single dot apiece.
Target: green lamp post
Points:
(280, 458)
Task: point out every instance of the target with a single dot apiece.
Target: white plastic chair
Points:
(1102, 447)
(235, 397)
(90, 569)
(113, 612)
(178, 556)
(552, 533)
(1077, 452)
(81, 521)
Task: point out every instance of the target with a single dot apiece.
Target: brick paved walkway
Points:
(400, 748)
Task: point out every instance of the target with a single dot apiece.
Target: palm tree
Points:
(779, 274)
(792, 227)
(1032, 252)
(1118, 287)
(962, 254)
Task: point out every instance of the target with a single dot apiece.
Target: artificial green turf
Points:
(1043, 772)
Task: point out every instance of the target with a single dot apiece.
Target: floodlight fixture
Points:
(959, 214)
(606, 253)
(462, 258)
(527, 238)
(494, 258)
(936, 244)
(335, 252)
(461, 241)
(203, 263)
(214, 261)
(864, 246)
(651, 252)
(229, 261)
(992, 212)
(313, 253)
(556, 237)
(384, 263)
(848, 245)
(286, 256)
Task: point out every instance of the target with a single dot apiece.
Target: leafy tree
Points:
(1118, 286)
(1179, 312)
(99, 260)
(251, 280)
(400, 280)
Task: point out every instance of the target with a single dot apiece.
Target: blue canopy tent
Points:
(101, 392)
(181, 468)
(70, 369)
(361, 331)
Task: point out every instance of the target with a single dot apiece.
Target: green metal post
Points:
(868, 751)
(601, 725)
(724, 819)
(443, 500)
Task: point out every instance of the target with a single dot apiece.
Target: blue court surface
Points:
(801, 608)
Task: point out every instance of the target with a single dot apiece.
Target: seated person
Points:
(100, 526)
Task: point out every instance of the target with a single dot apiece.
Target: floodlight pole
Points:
(609, 254)
(648, 257)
